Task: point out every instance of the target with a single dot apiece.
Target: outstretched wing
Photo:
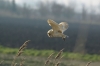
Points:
(63, 26)
(53, 24)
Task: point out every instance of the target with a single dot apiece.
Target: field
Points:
(33, 57)
(39, 61)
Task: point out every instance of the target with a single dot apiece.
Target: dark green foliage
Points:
(46, 53)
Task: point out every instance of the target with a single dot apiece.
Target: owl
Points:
(57, 29)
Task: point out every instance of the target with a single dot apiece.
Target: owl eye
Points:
(49, 34)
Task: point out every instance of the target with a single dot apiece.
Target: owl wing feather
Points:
(63, 26)
(54, 25)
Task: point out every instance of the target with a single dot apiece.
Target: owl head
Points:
(50, 33)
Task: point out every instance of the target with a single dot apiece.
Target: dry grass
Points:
(59, 54)
(57, 59)
(88, 63)
(19, 53)
(51, 60)
(15, 64)
(22, 62)
(48, 59)
(1, 61)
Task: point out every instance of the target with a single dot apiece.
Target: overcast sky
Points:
(86, 2)
(79, 3)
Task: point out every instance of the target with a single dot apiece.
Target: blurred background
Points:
(22, 20)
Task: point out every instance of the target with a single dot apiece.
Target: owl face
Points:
(50, 33)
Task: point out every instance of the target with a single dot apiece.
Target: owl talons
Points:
(64, 39)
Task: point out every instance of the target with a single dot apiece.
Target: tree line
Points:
(50, 10)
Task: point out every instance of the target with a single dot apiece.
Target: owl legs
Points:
(64, 37)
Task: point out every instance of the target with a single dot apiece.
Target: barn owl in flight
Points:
(57, 29)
